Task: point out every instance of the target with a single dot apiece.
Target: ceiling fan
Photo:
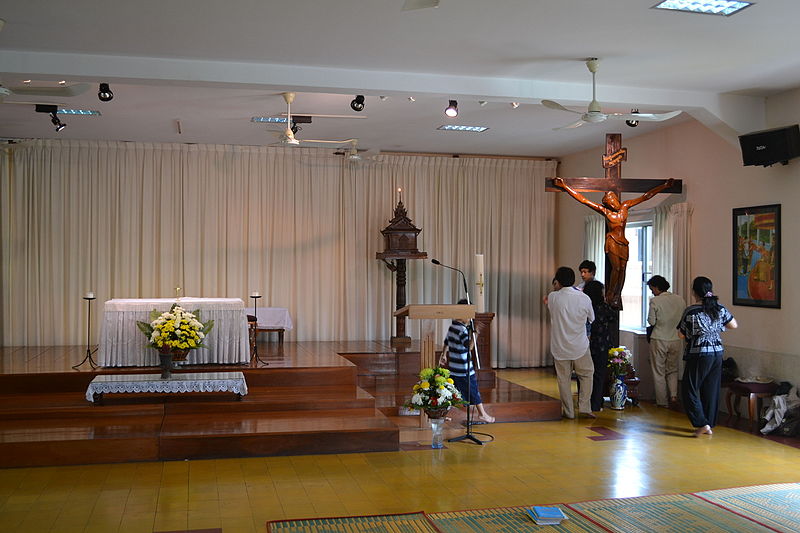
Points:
(62, 91)
(410, 5)
(594, 114)
(287, 136)
(354, 156)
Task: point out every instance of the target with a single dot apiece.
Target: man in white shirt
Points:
(570, 310)
(666, 347)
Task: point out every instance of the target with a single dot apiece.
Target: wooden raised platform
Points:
(312, 397)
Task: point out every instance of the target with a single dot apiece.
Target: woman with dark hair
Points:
(701, 325)
(599, 340)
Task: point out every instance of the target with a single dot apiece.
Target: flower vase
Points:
(166, 364)
(437, 433)
(437, 418)
(618, 393)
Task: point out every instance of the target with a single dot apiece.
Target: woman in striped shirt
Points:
(701, 326)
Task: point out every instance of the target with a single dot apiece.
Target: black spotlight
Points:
(358, 103)
(105, 94)
(633, 123)
(295, 128)
(452, 109)
(57, 122)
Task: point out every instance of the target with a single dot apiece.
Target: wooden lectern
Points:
(428, 313)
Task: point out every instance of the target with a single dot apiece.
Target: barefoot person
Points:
(701, 326)
(459, 345)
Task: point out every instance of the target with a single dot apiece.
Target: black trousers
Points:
(600, 360)
(702, 378)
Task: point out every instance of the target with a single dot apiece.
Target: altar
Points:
(123, 344)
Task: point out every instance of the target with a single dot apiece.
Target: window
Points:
(635, 294)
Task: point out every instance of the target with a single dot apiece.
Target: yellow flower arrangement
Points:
(619, 359)
(435, 390)
(175, 330)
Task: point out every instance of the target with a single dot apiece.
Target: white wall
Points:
(715, 182)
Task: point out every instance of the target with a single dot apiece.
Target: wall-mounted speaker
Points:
(770, 146)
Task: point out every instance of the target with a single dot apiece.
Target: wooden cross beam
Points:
(612, 163)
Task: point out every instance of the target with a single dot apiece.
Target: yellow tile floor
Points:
(528, 463)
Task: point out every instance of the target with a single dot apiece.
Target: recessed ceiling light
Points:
(79, 112)
(714, 7)
(456, 127)
(272, 120)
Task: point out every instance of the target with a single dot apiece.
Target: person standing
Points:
(570, 309)
(587, 270)
(599, 340)
(664, 314)
(459, 345)
(701, 326)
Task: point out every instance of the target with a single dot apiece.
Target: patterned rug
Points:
(505, 520)
(392, 523)
(777, 506)
(662, 514)
(745, 509)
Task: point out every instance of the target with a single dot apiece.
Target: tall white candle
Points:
(480, 285)
(89, 296)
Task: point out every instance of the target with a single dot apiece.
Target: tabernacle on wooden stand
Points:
(400, 244)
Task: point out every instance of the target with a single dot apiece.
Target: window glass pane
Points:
(632, 290)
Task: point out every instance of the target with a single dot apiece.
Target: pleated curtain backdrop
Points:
(301, 226)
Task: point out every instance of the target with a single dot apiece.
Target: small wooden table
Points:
(754, 392)
(177, 383)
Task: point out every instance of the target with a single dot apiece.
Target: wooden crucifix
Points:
(613, 208)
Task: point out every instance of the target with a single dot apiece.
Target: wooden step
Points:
(254, 434)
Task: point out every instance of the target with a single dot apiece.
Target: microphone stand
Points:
(469, 435)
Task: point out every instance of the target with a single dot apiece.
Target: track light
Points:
(452, 109)
(51, 109)
(358, 103)
(295, 128)
(482, 103)
(514, 105)
(633, 123)
(57, 122)
(105, 94)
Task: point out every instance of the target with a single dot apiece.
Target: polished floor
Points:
(642, 450)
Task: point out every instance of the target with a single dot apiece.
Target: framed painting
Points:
(757, 256)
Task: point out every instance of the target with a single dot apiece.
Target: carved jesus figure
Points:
(616, 246)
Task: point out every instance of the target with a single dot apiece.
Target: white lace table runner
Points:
(192, 382)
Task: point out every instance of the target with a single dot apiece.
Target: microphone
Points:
(463, 277)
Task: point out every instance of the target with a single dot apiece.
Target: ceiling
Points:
(213, 65)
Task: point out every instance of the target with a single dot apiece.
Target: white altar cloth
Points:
(176, 383)
(123, 344)
(274, 318)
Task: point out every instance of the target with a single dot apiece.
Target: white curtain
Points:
(662, 243)
(680, 216)
(302, 226)
(672, 230)
(594, 243)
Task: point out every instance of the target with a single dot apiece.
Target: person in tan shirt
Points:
(666, 347)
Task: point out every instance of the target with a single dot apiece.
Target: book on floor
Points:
(546, 516)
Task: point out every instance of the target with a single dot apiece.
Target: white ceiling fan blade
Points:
(58, 104)
(57, 92)
(577, 124)
(646, 117)
(555, 105)
(410, 5)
